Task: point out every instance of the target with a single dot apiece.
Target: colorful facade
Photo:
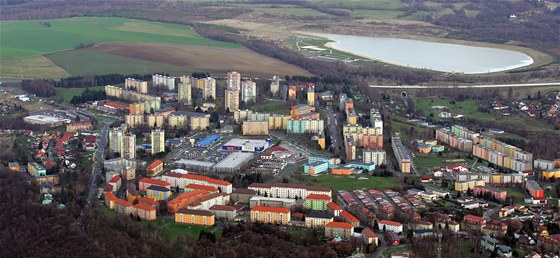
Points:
(158, 193)
(195, 217)
(317, 202)
(273, 215)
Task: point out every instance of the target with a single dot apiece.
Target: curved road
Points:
(465, 86)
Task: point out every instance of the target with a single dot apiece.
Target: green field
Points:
(30, 37)
(85, 62)
(351, 182)
(514, 192)
(468, 108)
(66, 94)
(293, 11)
(271, 106)
(171, 231)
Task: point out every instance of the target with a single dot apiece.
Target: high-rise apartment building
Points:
(248, 91)
(209, 88)
(115, 139)
(137, 85)
(231, 100)
(233, 80)
(185, 92)
(275, 85)
(158, 141)
(128, 146)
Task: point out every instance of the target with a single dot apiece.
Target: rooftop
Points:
(339, 225)
(333, 206)
(158, 188)
(320, 215)
(155, 164)
(149, 200)
(349, 216)
(319, 197)
(222, 207)
(195, 212)
(270, 209)
(152, 181)
(202, 187)
(390, 222)
(145, 207)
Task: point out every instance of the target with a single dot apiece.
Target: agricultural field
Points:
(96, 45)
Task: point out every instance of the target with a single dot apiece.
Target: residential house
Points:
(195, 217)
(339, 229)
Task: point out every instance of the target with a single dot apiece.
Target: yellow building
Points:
(136, 108)
(311, 98)
(551, 173)
(322, 142)
(134, 120)
(78, 126)
(463, 186)
(154, 120)
(199, 123)
(273, 215)
(113, 91)
(278, 122)
(195, 217)
(177, 121)
(255, 128)
(185, 90)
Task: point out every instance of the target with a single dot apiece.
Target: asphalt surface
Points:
(96, 170)
(334, 130)
(381, 248)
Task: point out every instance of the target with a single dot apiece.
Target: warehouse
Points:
(247, 145)
(233, 162)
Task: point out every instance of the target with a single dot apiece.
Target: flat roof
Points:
(248, 143)
(262, 198)
(193, 162)
(45, 119)
(205, 141)
(234, 160)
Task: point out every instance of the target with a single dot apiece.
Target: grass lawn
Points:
(376, 14)
(109, 213)
(321, 44)
(468, 108)
(277, 107)
(425, 162)
(377, 4)
(517, 194)
(19, 38)
(85, 62)
(293, 11)
(171, 231)
(66, 94)
(298, 235)
(351, 182)
(32, 67)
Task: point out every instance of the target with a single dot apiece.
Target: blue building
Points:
(206, 141)
(333, 162)
(362, 166)
(315, 168)
(158, 193)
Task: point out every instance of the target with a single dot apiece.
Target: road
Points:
(465, 86)
(382, 247)
(96, 170)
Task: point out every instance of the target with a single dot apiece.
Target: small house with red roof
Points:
(115, 182)
(124, 207)
(473, 222)
(154, 168)
(145, 182)
(389, 225)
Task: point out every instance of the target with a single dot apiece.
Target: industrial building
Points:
(234, 162)
(247, 145)
(206, 141)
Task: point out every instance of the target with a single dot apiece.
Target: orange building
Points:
(136, 108)
(274, 215)
(14, 166)
(350, 218)
(195, 217)
(110, 199)
(145, 212)
(185, 199)
(342, 171)
(149, 201)
(154, 167)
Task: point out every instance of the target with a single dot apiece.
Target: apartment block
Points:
(281, 190)
(185, 92)
(195, 217)
(134, 120)
(209, 88)
(231, 99)
(128, 146)
(136, 85)
(273, 215)
(402, 155)
(255, 128)
(377, 157)
(158, 141)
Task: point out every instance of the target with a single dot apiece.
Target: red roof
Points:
(349, 216)
(369, 233)
(391, 223)
(115, 179)
(155, 164)
(207, 179)
(333, 206)
(114, 105)
(149, 200)
(153, 181)
(473, 217)
(424, 178)
(202, 187)
(319, 197)
(110, 196)
(270, 209)
(222, 207)
(145, 207)
(339, 225)
(108, 188)
(124, 203)
(91, 139)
